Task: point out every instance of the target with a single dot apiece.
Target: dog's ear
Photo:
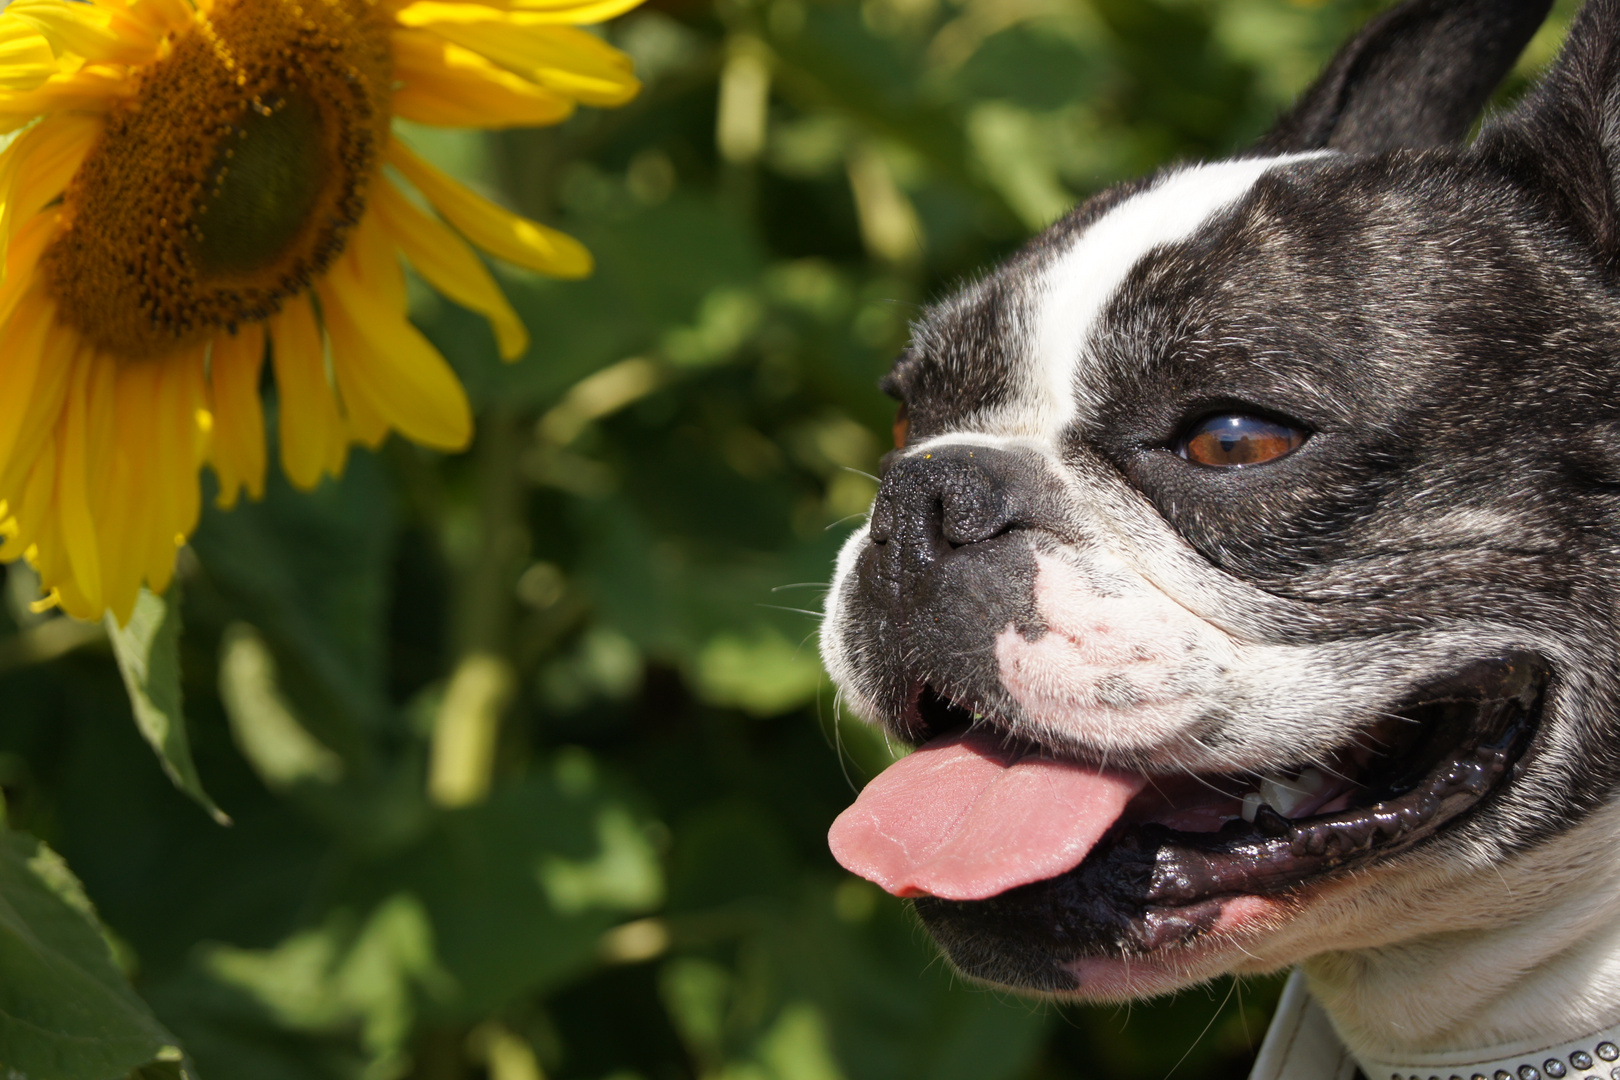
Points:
(1563, 140)
(1414, 77)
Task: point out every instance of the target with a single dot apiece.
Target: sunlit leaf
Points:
(309, 572)
(765, 674)
(148, 652)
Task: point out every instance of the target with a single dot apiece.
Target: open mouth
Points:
(1054, 861)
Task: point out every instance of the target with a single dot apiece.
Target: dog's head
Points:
(1248, 567)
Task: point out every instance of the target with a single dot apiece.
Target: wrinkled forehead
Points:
(1019, 353)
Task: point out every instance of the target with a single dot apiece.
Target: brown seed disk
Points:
(229, 179)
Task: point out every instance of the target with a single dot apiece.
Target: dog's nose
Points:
(931, 504)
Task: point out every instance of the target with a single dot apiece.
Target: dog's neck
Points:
(1549, 976)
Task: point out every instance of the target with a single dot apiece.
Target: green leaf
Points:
(884, 1003)
(521, 888)
(164, 1068)
(265, 727)
(346, 975)
(309, 572)
(493, 902)
(765, 674)
(148, 652)
(66, 1011)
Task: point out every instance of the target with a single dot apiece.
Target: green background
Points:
(638, 539)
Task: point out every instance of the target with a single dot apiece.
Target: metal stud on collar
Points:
(1582, 1064)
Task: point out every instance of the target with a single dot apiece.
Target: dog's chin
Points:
(1198, 869)
(1233, 941)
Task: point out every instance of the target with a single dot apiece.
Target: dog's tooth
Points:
(1312, 782)
(1285, 796)
(1251, 806)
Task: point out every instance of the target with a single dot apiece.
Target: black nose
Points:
(930, 505)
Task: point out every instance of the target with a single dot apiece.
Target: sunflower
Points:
(195, 188)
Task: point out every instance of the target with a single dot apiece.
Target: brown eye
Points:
(1232, 440)
(902, 423)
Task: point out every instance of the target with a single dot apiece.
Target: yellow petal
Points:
(49, 556)
(308, 422)
(72, 488)
(449, 265)
(174, 499)
(35, 362)
(26, 58)
(448, 85)
(39, 164)
(369, 258)
(534, 45)
(164, 15)
(121, 492)
(124, 555)
(191, 390)
(384, 362)
(20, 362)
(96, 32)
(22, 257)
(498, 231)
(101, 377)
(235, 365)
(367, 425)
(89, 90)
(138, 493)
(30, 506)
(373, 259)
(576, 12)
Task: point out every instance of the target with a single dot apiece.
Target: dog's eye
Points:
(902, 424)
(1232, 440)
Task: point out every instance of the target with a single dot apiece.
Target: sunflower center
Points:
(267, 180)
(229, 180)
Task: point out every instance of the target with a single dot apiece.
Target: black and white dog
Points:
(1248, 576)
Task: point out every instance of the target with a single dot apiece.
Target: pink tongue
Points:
(962, 818)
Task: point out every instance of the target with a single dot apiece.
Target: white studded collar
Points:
(1594, 1057)
(1301, 1045)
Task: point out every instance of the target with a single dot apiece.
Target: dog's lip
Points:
(1146, 886)
(1470, 708)
(1396, 811)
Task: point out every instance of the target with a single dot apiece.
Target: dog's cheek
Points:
(1120, 666)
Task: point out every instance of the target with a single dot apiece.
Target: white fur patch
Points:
(1080, 283)
(1119, 668)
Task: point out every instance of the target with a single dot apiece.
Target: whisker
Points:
(795, 610)
(1218, 1010)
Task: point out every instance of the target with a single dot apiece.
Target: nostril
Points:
(962, 533)
(973, 515)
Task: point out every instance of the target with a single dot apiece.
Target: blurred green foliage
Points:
(528, 753)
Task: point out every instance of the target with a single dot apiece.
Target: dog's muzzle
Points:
(1158, 866)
